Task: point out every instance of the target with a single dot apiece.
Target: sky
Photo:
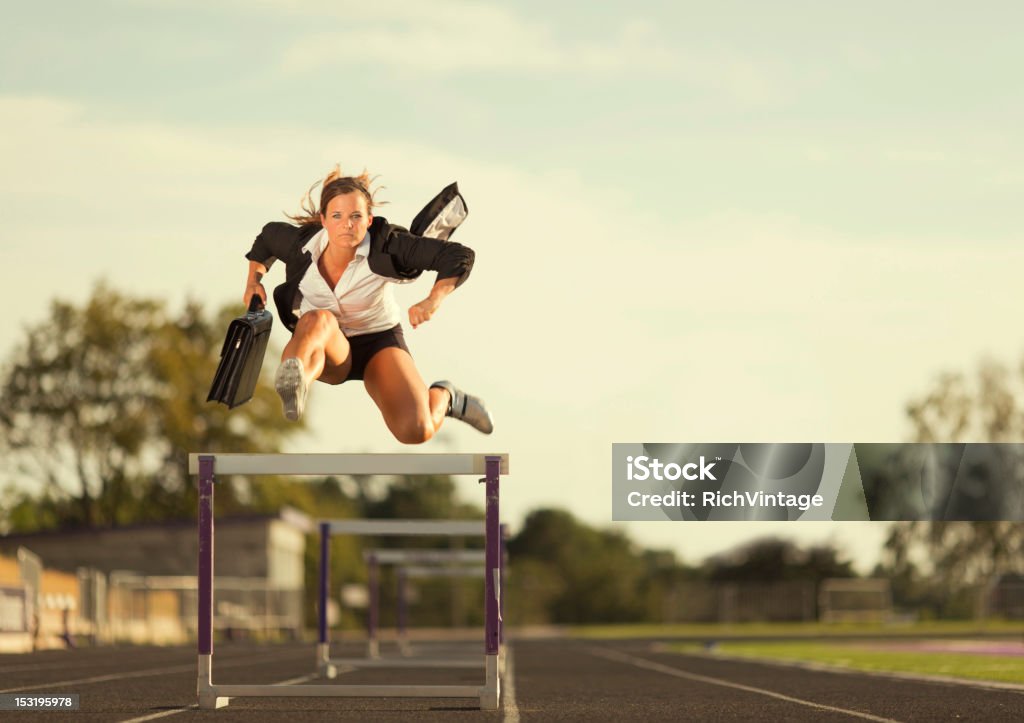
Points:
(694, 222)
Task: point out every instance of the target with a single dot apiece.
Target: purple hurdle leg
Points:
(501, 606)
(490, 693)
(403, 612)
(204, 683)
(372, 646)
(323, 657)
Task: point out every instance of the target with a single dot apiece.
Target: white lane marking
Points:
(658, 667)
(101, 656)
(162, 714)
(890, 674)
(184, 709)
(511, 708)
(142, 673)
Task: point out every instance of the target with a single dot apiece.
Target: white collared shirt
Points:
(362, 301)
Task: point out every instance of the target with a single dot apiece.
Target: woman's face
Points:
(346, 219)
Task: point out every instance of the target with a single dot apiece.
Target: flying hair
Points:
(335, 184)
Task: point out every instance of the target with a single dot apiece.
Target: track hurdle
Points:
(424, 571)
(445, 560)
(440, 528)
(492, 466)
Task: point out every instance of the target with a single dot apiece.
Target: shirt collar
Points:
(363, 249)
(316, 243)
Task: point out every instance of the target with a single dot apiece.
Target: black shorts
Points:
(364, 346)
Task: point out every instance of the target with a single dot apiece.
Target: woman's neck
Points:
(338, 255)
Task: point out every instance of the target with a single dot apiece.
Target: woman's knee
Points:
(416, 430)
(318, 321)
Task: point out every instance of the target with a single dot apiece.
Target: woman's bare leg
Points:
(317, 350)
(318, 343)
(411, 411)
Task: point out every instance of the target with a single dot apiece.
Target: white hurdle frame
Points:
(327, 666)
(492, 466)
(401, 559)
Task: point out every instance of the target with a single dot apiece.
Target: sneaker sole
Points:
(290, 387)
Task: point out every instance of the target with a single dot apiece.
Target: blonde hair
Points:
(335, 184)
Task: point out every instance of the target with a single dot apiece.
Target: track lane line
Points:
(194, 706)
(828, 668)
(94, 659)
(184, 668)
(509, 705)
(668, 670)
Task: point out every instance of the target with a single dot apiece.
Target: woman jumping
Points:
(340, 262)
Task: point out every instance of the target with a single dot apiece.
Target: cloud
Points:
(486, 39)
(474, 39)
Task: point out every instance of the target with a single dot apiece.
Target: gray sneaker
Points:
(291, 386)
(466, 407)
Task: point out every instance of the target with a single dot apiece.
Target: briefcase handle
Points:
(255, 305)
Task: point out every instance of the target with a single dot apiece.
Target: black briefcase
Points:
(241, 358)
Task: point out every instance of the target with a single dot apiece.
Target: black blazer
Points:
(394, 252)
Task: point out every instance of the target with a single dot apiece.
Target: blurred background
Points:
(789, 223)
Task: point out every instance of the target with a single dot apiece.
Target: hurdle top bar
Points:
(325, 464)
(420, 571)
(390, 556)
(449, 528)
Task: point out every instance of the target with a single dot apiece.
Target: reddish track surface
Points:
(548, 680)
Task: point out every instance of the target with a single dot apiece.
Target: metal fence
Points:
(164, 609)
(739, 602)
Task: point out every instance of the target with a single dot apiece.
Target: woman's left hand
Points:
(418, 313)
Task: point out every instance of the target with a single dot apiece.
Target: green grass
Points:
(860, 656)
(794, 630)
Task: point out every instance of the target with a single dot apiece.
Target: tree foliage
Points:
(942, 565)
(772, 559)
(101, 404)
(588, 575)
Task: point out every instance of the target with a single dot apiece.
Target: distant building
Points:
(138, 583)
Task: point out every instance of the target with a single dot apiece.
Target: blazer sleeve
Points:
(275, 241)
(413, 253)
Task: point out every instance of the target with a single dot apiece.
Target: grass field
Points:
(798, 630)
(860, 656)
(856, 646)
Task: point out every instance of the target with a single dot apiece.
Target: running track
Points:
(546, 680)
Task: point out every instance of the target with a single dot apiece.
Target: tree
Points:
(588, 575)
(958, 559)
(421, 497)
(100, 406)
(772, 559)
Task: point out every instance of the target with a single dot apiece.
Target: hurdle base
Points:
(348, 691)
(324, 668)
(491, 692)
(212, 701)
(208, 698)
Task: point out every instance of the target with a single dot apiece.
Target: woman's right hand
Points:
(255, 288)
